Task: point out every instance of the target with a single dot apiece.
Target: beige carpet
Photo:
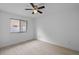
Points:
(36, 47)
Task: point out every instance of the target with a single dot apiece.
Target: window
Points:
(17, 25)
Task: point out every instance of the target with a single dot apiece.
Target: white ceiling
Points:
(19, 9)
(50, 8)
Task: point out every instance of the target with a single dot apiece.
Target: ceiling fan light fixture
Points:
(35, 11)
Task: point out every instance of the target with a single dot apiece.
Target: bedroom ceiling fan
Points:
(36, 8)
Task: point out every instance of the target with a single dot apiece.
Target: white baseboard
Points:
(57, 44)
(51, 42)
(7, 45)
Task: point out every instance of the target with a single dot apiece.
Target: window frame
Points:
(20, 27)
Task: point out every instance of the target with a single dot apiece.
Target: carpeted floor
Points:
(36, 47)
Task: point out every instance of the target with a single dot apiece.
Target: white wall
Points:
(60, 25)
(7, 38)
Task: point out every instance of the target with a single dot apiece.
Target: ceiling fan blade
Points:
(41, 7)
(32, 5)
(28, 9)
(40, 12)
(32, 12)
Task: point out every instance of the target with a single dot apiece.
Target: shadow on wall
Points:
(43, 35)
